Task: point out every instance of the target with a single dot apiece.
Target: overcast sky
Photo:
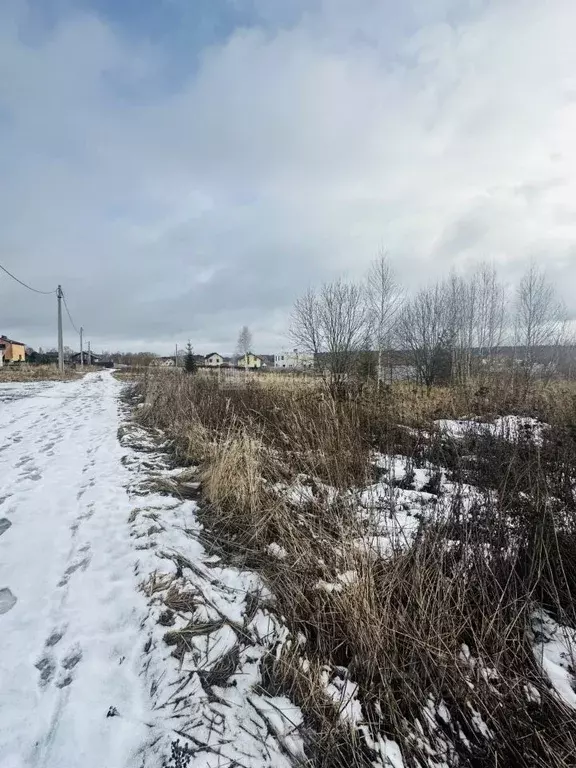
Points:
(184, 167)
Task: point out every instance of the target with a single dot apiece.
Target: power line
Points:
(60, 294)
(45, 293)
(69, 315)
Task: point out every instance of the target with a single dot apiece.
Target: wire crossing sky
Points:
(29, 287)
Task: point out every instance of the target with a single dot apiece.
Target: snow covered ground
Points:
(70, 615)
(86, 677)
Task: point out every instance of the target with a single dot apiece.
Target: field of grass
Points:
(427, 571)
(15, 373)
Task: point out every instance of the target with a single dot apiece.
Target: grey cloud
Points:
(287, 157)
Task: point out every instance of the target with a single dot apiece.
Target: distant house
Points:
(249, 360)
(294, 360)
(12, 351)
(90, 358)
(214, 360)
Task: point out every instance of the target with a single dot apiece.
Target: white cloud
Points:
(287, 155)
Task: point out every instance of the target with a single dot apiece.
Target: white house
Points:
(214, 360)
(294, 360)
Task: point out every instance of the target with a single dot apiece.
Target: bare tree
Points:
(305, 324)
(425, 328)
(540, 317)
(491, 311)
(475, 315)
(331, 323)
(383, 298)
(244, 344)
(459, 300)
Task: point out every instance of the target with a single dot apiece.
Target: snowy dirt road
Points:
(70, 613)
(96, 670)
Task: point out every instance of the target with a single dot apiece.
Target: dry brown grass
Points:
(16, 373)
(399, 627)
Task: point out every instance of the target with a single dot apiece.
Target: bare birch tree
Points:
(383, 299)
(540, 319)
(475, 315)
(491, 311)
(458, 299)
(244, 344)
(331, 323)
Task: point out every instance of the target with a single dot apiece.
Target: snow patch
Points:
(511, 428)
(554, 650)
(277, 551)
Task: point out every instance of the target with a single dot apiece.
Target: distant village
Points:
(17, 352)
(292, 359)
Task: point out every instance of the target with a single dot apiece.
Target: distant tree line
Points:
(446, 332)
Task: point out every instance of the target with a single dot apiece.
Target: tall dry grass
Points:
(471, 579)
(24, 373)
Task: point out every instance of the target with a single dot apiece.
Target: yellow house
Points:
(12, 351)
(249, 361)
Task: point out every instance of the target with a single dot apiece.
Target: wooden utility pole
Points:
(89, 355)
(81, 348)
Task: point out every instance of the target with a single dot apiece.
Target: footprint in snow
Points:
(7, 600)
(4, 525)
(31, 473)
(46, 667)
(68, 663)
(55, 638)
(72, 658)
(88, 514)
(83, 564)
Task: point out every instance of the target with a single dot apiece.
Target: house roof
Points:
(212, 353)
(4, 339)
(86, 354)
